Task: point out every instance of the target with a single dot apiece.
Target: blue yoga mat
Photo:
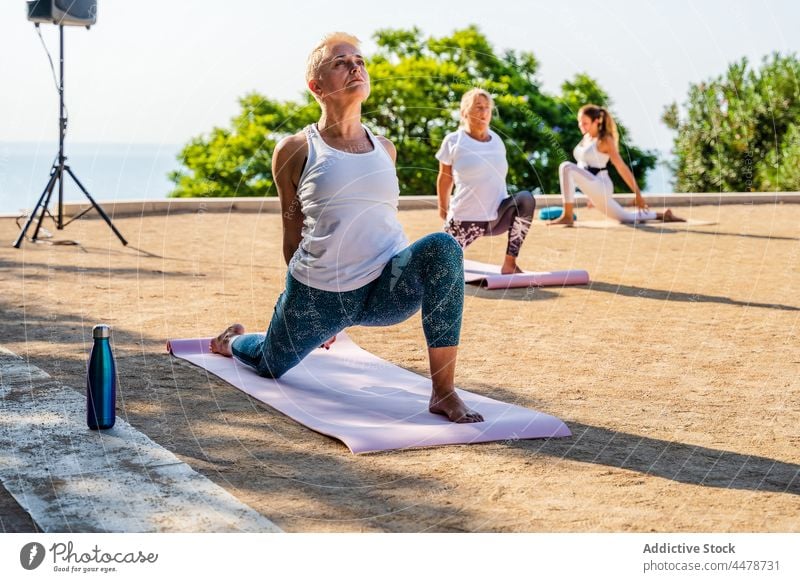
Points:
(553, 212)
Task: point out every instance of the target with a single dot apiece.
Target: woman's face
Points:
(479, 114)
(343, 75)
(586, 125)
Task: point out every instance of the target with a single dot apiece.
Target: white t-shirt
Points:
(479, 173)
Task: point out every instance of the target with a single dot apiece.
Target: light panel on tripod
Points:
(63, 12)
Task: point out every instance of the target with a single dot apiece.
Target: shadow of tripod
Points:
(57, 176)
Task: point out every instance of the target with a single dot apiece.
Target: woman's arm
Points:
(444, 185)
(608, 147)
(287, 166)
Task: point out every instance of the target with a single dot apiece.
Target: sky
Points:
(161, 72)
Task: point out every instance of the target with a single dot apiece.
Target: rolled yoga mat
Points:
(366, 402)
(490, 277)
(553, 212)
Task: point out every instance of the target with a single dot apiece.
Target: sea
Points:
(110, 172)
(115, 172)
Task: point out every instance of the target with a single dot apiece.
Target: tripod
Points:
(58, 175)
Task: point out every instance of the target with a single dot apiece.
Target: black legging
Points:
(514, 215)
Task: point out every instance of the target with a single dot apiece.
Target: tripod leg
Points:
(60, 216)
(59, 173)
(97, 207)
(44, 199)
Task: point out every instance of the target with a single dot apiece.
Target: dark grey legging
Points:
(428, 275)
(514, 216)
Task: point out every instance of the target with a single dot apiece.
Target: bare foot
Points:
(222, 343)
(451, 406)
(563, 221)
(510, 266)
(668, 216)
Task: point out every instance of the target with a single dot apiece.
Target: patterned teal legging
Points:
(427, 274)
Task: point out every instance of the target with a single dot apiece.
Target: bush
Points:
(740, 130)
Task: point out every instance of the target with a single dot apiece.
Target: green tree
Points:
(417, 87)
(739, 132)
(417, 84)
(238, 161)
(781, 170)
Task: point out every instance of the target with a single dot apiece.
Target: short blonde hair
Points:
(317, 56)
(469, 98)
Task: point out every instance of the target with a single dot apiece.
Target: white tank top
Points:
(349, 202)
(587, 154)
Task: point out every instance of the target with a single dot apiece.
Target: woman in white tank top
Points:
(349, 260)
(590, 174)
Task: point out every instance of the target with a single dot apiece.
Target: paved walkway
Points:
(71, 479)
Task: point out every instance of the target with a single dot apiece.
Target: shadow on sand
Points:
(663, 295)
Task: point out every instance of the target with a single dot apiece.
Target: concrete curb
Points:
(71, 479)
(272, 205)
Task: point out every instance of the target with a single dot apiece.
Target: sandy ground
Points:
(677, 369)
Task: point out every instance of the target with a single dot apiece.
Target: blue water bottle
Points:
(101, 382)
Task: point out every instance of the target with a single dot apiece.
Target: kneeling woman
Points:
(349, 261)
(598, 146)
(474, 158)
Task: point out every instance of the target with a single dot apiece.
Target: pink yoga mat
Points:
(489, 276)
(647, 223)
(367, 403)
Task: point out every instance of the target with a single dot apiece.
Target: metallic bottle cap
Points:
(101, 331)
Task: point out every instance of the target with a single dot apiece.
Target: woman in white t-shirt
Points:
(473, 158)
(598, 146)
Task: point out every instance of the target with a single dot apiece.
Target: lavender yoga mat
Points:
(647, 223)
(366, 402)
(490, 277)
